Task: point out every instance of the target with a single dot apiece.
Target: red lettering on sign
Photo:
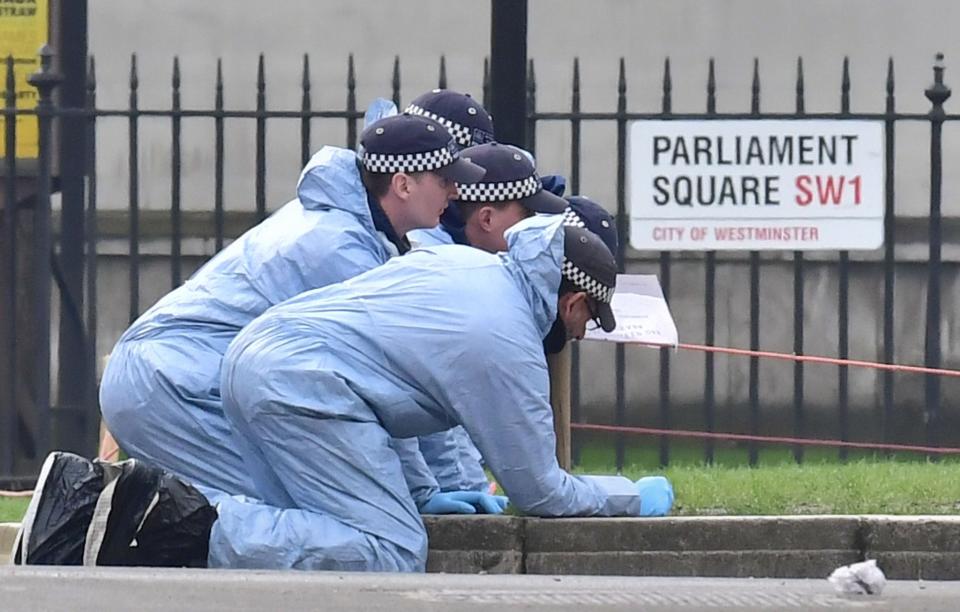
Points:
(830, 189)
(661, 234)
(803, 186)
(827, 189)
(793, 233)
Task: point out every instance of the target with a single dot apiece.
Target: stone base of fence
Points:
(905, 547)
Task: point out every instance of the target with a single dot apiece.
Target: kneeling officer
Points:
(318, 386)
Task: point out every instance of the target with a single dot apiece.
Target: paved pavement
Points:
(147, 590)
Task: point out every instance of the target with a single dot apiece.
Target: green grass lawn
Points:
(12, 508)
(644, 451)
(866, 484)
(860, 487)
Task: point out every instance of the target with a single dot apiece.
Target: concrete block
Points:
(912, 533)
(929, 565)
(775, 547)
(8, 533)
(693, 533)
(475, 544)
(914, 547)
(700, 563)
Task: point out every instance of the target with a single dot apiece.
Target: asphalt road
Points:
(146, 590)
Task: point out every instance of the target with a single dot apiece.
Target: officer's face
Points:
(429, 195)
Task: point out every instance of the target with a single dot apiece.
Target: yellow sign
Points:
(23, 30)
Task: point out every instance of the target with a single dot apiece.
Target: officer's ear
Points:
(567, 304)
(485, 217)
(401, 184)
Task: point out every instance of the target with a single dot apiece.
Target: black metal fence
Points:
(26, 409)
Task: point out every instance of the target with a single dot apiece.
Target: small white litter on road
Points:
(863, 578)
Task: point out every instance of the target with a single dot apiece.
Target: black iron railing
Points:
(29, 438)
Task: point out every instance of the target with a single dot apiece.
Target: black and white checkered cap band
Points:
(572, 219)
(461, 133)
(499, 192)
(582, 280)
(409, 162)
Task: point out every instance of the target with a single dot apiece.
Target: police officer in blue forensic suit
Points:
(160, 394)
(318, 386)
(479, 217)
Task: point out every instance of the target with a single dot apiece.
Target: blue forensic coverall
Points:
(318, 386)
(450, 455)
(434, 236)
(160, 394)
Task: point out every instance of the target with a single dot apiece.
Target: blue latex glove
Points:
(656, 496)
(464, 502)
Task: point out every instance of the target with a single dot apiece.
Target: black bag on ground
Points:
(149, 517)
(129, 513)
(54, 528)
(152, 519)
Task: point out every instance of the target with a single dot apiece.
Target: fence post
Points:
(305, 108)
(8, 281)
(261, 172)
(176, 216)
(486, 83)
(92, 388)
(45, 80)
(798, 293)
(753, 447)
(843, 301)
(218, 213)
(352, 102)
(666, 108)
(575, 142)
(937, 94)
(133, 167)
(710, 307)
(889, 242)
(76, 421)
(395, 82)
(623, 234)
(531, 109)
(508, 65)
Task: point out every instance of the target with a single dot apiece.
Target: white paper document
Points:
(641, 312)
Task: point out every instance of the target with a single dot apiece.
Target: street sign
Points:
(756, 185)
(641, 312)
(23, 30)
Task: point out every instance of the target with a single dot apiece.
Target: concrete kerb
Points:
(740, 547)
(906, 547)
(921, 547)
(8, 533)
(479, 544)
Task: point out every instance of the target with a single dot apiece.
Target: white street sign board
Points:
(641, 312)
(792, 185)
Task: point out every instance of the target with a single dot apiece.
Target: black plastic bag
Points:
(129, 513)
(155, 519)
(54, 527)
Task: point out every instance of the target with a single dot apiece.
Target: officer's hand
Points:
(464, 502)
(656, 496)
